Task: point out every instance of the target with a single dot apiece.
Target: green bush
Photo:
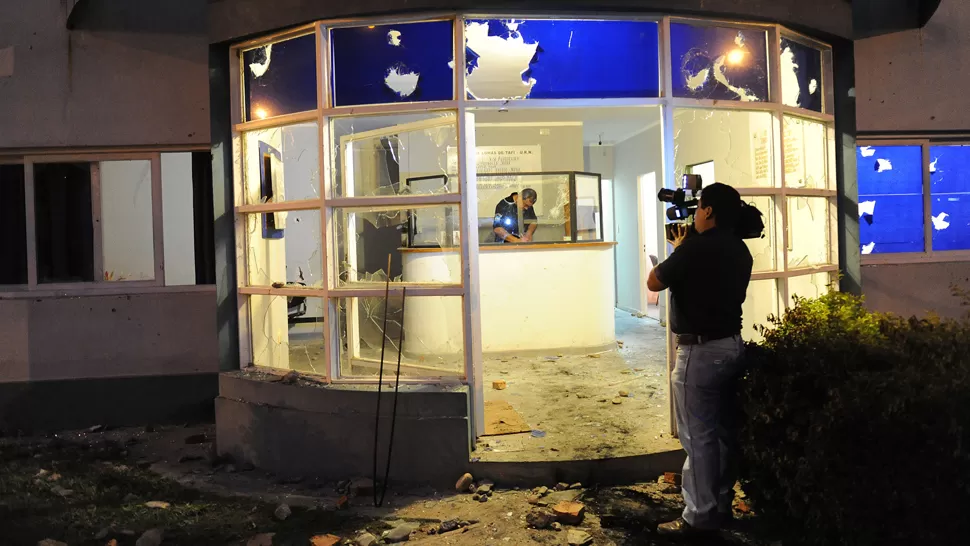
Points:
(857, 426)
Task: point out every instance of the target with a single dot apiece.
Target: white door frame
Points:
(646, 195)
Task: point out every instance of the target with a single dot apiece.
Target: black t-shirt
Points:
(708, 277)
(507, 216)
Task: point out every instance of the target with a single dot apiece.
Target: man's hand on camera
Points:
(679, 234)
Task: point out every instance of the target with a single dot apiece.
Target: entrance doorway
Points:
(650, 230)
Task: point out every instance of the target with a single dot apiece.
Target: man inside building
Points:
(512, 213)
(707, 274)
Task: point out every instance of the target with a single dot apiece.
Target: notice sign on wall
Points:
(762, 156)
(500, 159)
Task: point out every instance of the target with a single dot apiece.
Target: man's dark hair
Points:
(725, 201)
(530, 193)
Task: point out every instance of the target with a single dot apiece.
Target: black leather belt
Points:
(694, 339)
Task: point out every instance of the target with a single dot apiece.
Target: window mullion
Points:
(158, 228)
(927, 203)
(31, 220)
(97, 226)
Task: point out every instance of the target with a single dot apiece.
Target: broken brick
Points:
(569, 513)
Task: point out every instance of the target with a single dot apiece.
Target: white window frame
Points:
(928, 255)
(100, 286)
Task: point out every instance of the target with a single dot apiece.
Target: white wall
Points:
(916, 80)
(145, 85)
(639, 155)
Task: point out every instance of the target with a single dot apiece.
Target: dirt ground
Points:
(597, 406)
(98, 487)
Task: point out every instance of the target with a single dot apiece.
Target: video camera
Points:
(681, 212)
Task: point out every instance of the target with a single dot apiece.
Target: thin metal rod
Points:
(397, 385)
(380, 377)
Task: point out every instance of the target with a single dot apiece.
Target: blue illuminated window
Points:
(561, 59)
(801, 75)
(950, 193)
(406, 62)
(719, 63)
(890, 199)
(281, 78)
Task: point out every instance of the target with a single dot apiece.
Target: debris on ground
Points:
(499, 385)
(575, 537)
(161, 505)
(540, 519)
(463, 482)
(324, 540)
(262, 539)
(365, 539)
(152, 537)
(282, 512)
(673, 478)
(401, 533)
(569, 513)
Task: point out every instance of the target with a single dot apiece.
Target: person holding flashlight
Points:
(507, 224)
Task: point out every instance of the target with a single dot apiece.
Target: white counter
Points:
(535, 299)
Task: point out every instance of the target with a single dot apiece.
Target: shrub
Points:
(857, 426)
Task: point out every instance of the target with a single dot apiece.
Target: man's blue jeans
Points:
(705, 390)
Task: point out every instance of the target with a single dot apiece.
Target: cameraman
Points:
(707, 274)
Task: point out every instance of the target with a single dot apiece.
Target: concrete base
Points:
(328, 431)
(34, 406)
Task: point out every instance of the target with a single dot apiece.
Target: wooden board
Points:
(501, 418)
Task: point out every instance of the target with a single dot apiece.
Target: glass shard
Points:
(401, 62)
(560, 59)
(738, 143)
(284, 249)
(809, 221)
(801, 75)
(806, 150)
(719, 63)
(280, 78)
(287, 333)
(282, 164)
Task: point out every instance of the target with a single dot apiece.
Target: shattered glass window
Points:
(764, 250)
(403, 154)
(809, 233)
(422, 243)
(281, 164)
(760, 302)
(801, 75)
(561, 59)
(738, 143)
(950, 191)
(289, 254)
(890, 199)
(806, 149)
(551, 207)
(427, 330)
(280, 78)
(401, 62)
(809, 286)
(719, 63)
(287, 333)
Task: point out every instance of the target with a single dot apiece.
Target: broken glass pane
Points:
(805, 153)
(280, 78)
(808, 286)
(764, 250)
(127, 230)
(282, 164)
(719, 63)
(498, 194)
(287, 333)
(801, 75)
(433, 345)
(760, 303)
(561, 59)
(738, 144)
(588, 209)
(402, 154)
(809, 220)
(950, 188)
(179, 216)
(400, 62)
(284, 249)
(422, 242)
(890, 198)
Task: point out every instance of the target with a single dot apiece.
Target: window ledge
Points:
(22, 293)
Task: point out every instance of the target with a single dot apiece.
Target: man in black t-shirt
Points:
(708, 275)
(505, 224)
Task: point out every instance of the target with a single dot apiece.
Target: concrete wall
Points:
(915, 80)
(916, 289)
(128, 76)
